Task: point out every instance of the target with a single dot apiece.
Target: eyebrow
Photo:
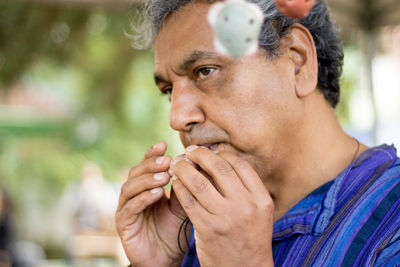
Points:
(189, 61)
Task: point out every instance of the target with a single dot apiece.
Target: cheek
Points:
(255, 104)
(258, 116)
(245, 122)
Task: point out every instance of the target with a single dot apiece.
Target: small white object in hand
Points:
(237, 25)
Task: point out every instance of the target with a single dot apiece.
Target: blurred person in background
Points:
(7, 255)
(268, 177)
(90, 203)
(13, 252)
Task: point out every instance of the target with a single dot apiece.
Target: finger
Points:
(150, 165)
(198, 185)
(133, 187)
(197, 214)
(157, 150)
(138, 204)
(183, 157)
(248, 176)
(218, 168)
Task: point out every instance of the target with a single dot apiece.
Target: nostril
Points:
(189, 125)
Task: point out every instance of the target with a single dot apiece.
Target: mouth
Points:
(212, 146)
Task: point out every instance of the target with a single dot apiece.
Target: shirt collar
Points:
(313, 213)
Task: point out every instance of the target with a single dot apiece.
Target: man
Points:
(268, 177)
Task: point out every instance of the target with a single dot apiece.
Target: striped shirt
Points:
(353, 220)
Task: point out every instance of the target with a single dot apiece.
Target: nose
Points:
(185, 108)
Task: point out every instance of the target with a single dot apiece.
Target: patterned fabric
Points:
(353, 220)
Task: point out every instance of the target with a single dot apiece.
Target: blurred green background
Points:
(73, 91)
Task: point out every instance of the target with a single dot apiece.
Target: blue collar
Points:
(313, 213)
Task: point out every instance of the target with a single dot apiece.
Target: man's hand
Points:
(146, 221)
(232, 220)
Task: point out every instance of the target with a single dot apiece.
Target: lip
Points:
(212, 146)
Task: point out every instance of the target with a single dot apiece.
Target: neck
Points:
(317, 155)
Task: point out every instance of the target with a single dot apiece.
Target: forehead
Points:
(183, 32)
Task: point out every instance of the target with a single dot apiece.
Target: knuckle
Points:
(125, 188)
(249, 210)
(223, 228)
(201, 186)
(223, 154)
(241, 163)
(267, 205)
(132, 172)
(148, 153)
(127, 209)
(222, 167)
(118, 227)
(141, 199)
(189, 203)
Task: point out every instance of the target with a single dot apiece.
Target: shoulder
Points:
(374, 219)
(389, 255)
(366, 220)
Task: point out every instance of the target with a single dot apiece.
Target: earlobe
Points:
(303, 54)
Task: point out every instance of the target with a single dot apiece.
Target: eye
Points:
(167, 91)
(204, 72)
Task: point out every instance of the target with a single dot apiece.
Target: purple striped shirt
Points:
(353, 220)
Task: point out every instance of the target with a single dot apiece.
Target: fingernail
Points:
(155, 146)
(160, 160)
(174, 178)
(159, 176)
(175, 161)
(170, 172)
(155, 190)
(191, 148)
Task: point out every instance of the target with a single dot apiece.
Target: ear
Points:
(303, 54)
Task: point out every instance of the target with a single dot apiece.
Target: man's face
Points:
(246, 106)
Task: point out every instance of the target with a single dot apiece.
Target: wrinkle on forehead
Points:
(184, 32)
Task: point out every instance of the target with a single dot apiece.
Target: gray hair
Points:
(327, 42)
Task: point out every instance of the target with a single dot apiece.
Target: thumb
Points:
(176, 207)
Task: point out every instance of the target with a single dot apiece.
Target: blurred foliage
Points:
(83, 57)
(348, 82)
(115, 112)
(29, 32)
